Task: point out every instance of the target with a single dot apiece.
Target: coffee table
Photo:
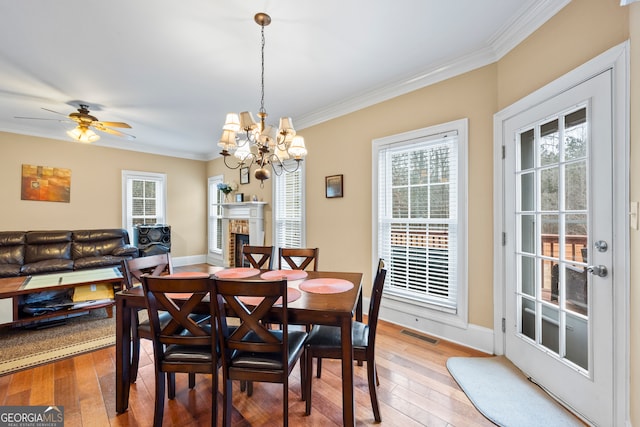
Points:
(13, 289)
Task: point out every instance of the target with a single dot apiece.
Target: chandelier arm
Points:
(227, 164)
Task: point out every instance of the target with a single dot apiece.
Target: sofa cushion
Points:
(10, 270)
(47, 266)
(97, 262)
(11, 251)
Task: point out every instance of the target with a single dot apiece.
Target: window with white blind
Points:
(215, 200)
(143, 199)
(288, 209)
(420, 213)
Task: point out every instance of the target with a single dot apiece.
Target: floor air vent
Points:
(428, 339)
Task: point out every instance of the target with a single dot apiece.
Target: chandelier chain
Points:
(262, 110)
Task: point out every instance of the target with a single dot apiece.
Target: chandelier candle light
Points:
(257, 143)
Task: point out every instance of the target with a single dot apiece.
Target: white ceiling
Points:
(173, 69)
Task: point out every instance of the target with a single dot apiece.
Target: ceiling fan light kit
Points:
(260, 144)
(83, 134)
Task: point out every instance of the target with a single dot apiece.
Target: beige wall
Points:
(96, 189)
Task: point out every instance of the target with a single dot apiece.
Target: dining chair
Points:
(133, 269)
(325, 342)
(298, 258)
(258, 256)
(251, 352)
(182, 344)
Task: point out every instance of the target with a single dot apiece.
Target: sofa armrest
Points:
(126, 251)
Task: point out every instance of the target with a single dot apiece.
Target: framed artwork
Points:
(244, 175)
(47, 184)
(333, 186)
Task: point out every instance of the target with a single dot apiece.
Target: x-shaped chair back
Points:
(252, 302)
(154, 265)
(178, 297)
(258, 256)
(299, 258)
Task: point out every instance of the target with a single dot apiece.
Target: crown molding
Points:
(531, 17)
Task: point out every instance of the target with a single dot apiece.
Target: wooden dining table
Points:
(310, 308)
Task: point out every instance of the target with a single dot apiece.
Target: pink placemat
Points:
(237, 273)
(292, 295)
(189, 274)
(326, 286)
(287, 274)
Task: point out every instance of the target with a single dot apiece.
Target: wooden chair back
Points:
(154, 265)
(299, 258)
(258, 256)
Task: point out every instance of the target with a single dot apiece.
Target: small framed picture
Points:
(333, 186)
(244, 175)
(239, 197)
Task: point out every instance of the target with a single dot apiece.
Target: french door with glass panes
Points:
(558, 219)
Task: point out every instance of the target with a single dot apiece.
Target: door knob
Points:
(598, 270)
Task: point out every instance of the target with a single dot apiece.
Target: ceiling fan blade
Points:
(40, 118)
(101, 128)
(52, 111)
(115, 124)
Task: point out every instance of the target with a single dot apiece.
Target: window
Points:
(144, 199)
(420, 197)
(216, 197)
(288, 209)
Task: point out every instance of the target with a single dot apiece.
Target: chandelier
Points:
(258, 144)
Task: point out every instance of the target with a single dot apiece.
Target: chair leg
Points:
(214, 398)
(319, 368)
(285, 402)
(135, 351)
(192, 380)
(159, 404)
(371, 376)
(307, 380)
(171, 379)
(226, 404)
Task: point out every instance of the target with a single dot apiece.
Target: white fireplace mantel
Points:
(253, 212)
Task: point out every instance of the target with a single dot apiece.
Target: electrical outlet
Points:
(633, 215)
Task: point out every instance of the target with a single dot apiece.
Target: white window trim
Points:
(276, 244)
(411, 307)
(128, 175)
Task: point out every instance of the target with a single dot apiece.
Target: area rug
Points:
(503, 394)
(23, 348)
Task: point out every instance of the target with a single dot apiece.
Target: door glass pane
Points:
(576, 288)
(528, 318)
(549, 143)
(550, 324)
(576, 237)
(549, 189)
(577, 340)
(527, 150)
(575, 135)
(550, 238)
(550, 281)
(576, 186)
(527, 192)
(528, 234)
(528, 275)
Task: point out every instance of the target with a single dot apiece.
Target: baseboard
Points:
(188, 260)
(473, 336)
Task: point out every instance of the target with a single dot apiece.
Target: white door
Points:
(559, 228)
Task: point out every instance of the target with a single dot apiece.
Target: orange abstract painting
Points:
(45, 183)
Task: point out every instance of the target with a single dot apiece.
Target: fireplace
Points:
(246, 218)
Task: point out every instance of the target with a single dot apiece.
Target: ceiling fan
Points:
(85, 122)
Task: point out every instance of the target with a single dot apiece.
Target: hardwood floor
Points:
(415, 390)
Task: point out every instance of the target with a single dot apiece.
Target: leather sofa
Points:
(25, 253)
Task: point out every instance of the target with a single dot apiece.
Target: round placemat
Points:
(292, 295)
(237, 273)
(286, 274)
(326, 286)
